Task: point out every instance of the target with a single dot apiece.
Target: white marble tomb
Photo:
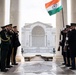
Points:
(38, 37)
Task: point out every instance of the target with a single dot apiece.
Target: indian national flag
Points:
(53, 6)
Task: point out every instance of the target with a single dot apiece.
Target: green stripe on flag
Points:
(51, 12)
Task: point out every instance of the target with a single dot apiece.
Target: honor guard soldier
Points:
(67, 46)
(10, 34)
(16, 45)
(62, 44)
(72, 45)
(4, 47)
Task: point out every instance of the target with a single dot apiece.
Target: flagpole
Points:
(63, 17)
(63, 27)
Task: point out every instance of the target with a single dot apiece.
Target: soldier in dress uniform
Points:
(0, 51)
(72, 45)
(4, 47)
(16, 45)
(10, 34)
(67, 46)
(62, 43)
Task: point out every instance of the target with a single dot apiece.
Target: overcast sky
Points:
(34, 10)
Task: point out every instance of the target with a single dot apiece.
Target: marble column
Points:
(14, 19)
(14, 12)
(2, 12)
(7, 12)
(73, 11)
(59, 25)
(64, 5)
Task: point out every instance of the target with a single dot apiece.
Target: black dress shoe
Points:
(73, 68)
(63, 64)
(67, 65)
(9, 66)
(4, 70)
(14, 63)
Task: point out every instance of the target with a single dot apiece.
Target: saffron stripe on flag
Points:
(51, 3)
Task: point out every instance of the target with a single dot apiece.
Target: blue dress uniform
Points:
(0, 53)
(68, 50)
(72, 45)
(15, 46)
(10, 34)
(4, 49)
(63, 44)
(67, 45)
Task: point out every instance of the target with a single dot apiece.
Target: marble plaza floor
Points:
(40, 68)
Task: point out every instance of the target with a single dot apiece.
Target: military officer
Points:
(72, 45)
(15, 46)
(4, 47)
(62, 43)
(10, 34)
(67, 46)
